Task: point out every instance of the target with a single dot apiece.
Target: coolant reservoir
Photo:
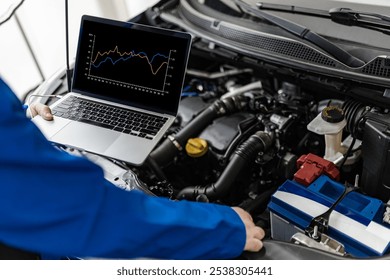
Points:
(330, 122)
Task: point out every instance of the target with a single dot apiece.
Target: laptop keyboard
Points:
(110, 117)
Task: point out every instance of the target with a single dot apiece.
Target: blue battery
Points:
(356, 222)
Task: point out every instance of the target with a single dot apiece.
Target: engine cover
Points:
(223, 130)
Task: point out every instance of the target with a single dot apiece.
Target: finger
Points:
(255, 233)
(253, 245)
(243, 214)
(259, 233)
(42, 110)
(32, 110)
(249, 217)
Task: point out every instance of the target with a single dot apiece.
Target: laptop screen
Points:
(131, 64)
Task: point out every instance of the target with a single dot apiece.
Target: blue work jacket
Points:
(56, 204)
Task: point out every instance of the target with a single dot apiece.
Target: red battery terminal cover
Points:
(310, 167)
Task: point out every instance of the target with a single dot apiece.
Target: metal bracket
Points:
(319, 225)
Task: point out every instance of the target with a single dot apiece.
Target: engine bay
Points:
(301, 142)
(306, 154)
(240, 137)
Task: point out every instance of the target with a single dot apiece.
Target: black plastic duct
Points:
(244, 155)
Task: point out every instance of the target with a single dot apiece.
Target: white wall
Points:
(44, 24)
(135, 7)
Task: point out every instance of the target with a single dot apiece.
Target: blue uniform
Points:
(56, 204)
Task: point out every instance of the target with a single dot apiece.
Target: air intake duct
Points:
(164, 154)
(244, 155)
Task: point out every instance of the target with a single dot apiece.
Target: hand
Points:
(254, 234)
(42, 110)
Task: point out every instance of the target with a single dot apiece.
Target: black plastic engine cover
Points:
(222, 131)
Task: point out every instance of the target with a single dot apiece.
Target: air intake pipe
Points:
(164, 153)
(245, 154)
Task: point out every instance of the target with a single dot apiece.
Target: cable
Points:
(347, 154)
(68, 70)
(354, 137)
(357, 149)
(12, 13)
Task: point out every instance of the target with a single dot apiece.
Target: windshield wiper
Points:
(304, 33)
(343, 16)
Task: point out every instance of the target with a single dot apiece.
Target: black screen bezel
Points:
(167, 104)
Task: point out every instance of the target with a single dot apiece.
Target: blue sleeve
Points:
(56, 204)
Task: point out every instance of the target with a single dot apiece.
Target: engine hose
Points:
(244, 155)
(353, 110)
(164, 153)
(259, 204)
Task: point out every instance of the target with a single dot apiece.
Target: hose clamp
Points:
(175, 142)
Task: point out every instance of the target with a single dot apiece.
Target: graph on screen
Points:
(130, 66)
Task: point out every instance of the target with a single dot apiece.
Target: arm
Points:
(57, 204)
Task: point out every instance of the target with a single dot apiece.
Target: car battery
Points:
(356, 221)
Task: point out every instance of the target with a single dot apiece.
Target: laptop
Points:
(126, 89)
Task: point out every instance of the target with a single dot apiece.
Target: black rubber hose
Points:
(260, 203)
(353, 110)
(244, 155)
(164, 153)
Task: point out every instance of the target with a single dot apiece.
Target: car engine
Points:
(275, 125)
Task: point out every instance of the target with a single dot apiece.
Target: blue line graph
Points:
(142, 67)
(125, 59)
(124, 56)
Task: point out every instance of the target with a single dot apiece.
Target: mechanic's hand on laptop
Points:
(254, 234)
(42, 110)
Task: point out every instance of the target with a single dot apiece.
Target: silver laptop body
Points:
(126, 89)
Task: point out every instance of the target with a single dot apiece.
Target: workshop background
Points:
(43, 23)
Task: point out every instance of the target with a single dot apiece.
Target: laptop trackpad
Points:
(86, 137)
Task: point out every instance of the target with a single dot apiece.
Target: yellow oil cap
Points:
(196, 147)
